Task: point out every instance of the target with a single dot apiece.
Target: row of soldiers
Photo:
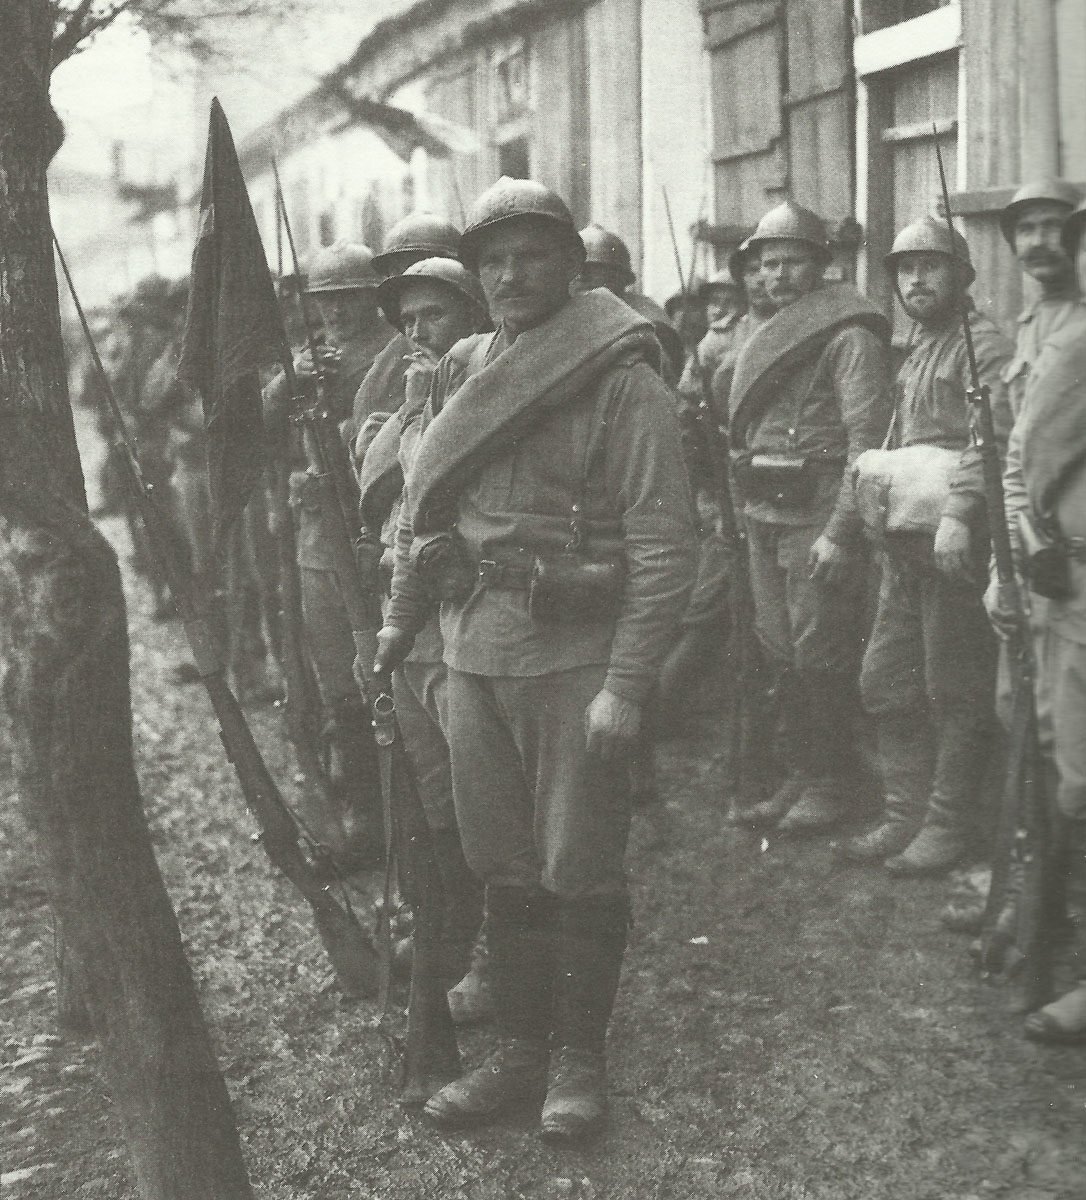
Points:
(834, 455)
(556, 541)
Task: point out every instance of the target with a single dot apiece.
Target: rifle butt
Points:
(432, 1057)
(353, 959)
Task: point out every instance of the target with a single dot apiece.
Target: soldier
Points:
(420, 235)
(811, 391)
(687, 311)
(607, 264)
(434, 303)
(343, 283)
(1045, 485)
(547, 504)
(929, 672)
(1032, 224)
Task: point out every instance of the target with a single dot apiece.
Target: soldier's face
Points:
(526, 272)
(754, 285)
(1037, 241)
(928, 285)
(433, 317)
(719, 302)
(348, 314)
(790, 271)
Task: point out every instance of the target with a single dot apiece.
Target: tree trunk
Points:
(64, 649)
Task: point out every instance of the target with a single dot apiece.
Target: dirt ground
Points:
(787, 1029)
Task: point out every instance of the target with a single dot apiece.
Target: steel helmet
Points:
(1052, 191)
(932, 235)
(343, 266)
(607, 249)
(791, 222)
(449, 272)
(1072, 230)
(512, 199)
(420, 234)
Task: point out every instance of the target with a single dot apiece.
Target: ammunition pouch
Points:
(571, 589)
(444, 566)
(1046, 559)
(786, 479)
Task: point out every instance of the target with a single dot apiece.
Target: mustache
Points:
(1041, 256)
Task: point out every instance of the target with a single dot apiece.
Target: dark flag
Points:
(232, 328)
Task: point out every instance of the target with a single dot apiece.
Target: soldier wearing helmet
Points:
(607, 265)
(343, 284)
(1032, 224)
(419, 236)
(1045, 487)
(928, 673)
(811, 390)
(434, 303)
(547, 508)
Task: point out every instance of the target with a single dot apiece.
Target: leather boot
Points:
(1064, 1020)
(826, 756)
(592, 935)
(906, 761)
(963, 746)
(521, 937)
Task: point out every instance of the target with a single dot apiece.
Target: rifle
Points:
(432, 1056)
(351, 955)
(1023, 808)
(301, 707)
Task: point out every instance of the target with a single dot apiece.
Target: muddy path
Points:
(787, 1029)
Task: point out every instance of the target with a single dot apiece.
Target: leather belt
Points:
(505, 576)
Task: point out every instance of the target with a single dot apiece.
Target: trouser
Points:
(420, 690)
(535, 810)
(930, 665)
(802, 623)
(328, 635)
(811, 634)
(1061, 668)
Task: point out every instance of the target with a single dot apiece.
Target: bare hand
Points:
(827, 561)
(1000, 606)
(393, 646)
(953, 546)
(611, 725)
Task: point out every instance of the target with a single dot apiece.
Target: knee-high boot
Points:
(521, 944)
(592, 934)
(1064, 1020)
(825, 751)
(963, 745)
(906, 762)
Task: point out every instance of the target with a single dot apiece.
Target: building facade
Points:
(706, 112)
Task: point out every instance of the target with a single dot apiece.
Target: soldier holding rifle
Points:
(1045, 485)
(929, 671)
(434, 303)
(343, 282)
(547, 508)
